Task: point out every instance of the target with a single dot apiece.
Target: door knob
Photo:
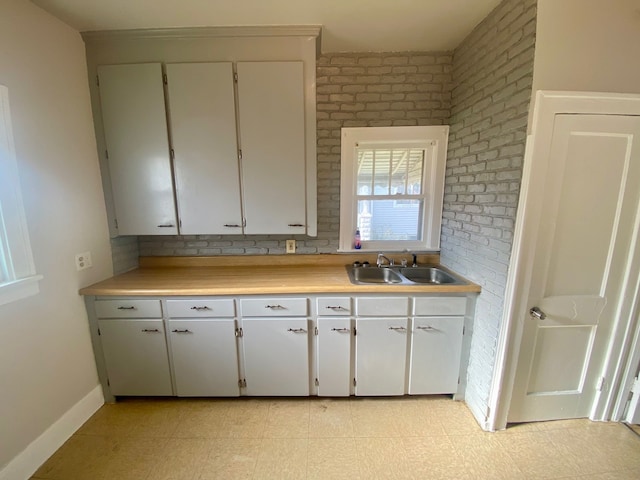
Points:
(535, 312)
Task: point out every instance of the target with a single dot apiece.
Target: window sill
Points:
(19, 289)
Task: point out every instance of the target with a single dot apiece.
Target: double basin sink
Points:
(421, 275)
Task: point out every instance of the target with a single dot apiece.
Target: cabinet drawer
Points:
(201, 308)
(440, 306)
(334, 306)
(382, 306)
(274, 307)
(128, 308)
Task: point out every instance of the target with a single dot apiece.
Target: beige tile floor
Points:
(311, 438)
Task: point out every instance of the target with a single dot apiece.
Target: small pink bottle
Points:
(357, 244)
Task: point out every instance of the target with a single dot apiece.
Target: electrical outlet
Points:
(291, 246)
(83, 261)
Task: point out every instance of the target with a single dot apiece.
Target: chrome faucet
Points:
(381, 257)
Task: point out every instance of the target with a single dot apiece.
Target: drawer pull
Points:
(166, 225)
(126, 308)
(329, 307)
(151, 330)
(232, 225)
(186, 330)
(341, 330)
(398, 329)
(427, 328)
(199, 309)
(297, 330)
(296, 225)
(275, 307)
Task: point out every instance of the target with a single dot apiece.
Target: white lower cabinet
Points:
(276, 356)
(334, 357)
(135, 354)
(436, 348)
(381, 355)
(204, 354)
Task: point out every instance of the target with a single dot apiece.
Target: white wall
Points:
(46, 360)
(588, 45)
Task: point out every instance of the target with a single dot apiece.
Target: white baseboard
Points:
(30, 459)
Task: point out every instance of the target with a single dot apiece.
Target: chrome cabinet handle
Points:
(166, 225)
(428, 328)
(535, 312)
(151, 330)
(126, 308)
(199, 309)
(398, 329)
(275, 307)
(186, 330)
(341, 330)
(296, 330)
(329, 307)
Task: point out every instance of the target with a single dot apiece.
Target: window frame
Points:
(18, 278)
(434, 139)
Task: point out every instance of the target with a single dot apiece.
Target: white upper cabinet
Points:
(203, 134)
(135, 130)
(272, 141)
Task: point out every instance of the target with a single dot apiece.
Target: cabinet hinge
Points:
(99, 334)
(115, 222)
(97, 80)
(173, 154)
(108, 383)
(235, 77)
(242, 383)
(488, 414)
(463, 329)
(354, 331)
(317, 383)
(239, 154)
(354, 382)
(244, 222)
(315, 330)
(106, 154)
(239, 332)
(165, 80)
(601, 384)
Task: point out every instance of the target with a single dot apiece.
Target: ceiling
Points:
(347, 25)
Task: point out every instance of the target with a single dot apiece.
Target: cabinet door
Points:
(135, 130)
(135, 353)
(276, 356)
(436, 346)
(203, 133)
(381, 355)
(334, 357)
(205, 361)
(272, 139)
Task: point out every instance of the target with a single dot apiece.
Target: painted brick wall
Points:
(124, 253)
(492, 72)
(353, 90)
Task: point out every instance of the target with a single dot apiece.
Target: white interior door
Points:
(581, 257)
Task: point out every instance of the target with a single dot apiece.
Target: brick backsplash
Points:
(492, 72)
(353, 90)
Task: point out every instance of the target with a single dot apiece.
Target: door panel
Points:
(271, 119)
(135, 130)
(589, 204)
(203, 133)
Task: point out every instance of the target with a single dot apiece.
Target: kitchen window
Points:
(392, 181)
(17, 271)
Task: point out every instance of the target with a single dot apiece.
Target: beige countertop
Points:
(247, 275)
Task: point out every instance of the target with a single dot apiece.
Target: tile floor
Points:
(311, 438)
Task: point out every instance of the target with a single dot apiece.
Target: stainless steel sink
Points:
(427, 275)
(375, 275)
